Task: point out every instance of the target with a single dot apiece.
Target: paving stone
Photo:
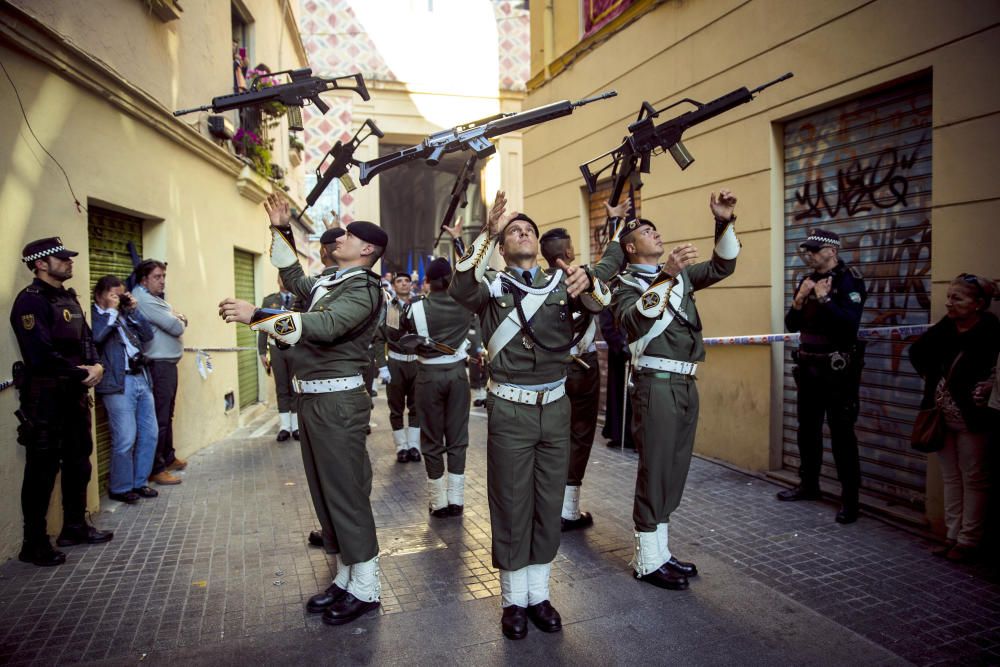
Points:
(194, 571)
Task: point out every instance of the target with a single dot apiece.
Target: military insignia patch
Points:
(855, 297)
(284, 326)
(28, 322)
(68, 316)
(650, 300)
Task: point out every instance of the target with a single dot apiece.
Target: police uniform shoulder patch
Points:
(284, 326)
(650, 300)
(857, 274)
(28, 321)
(855, 297)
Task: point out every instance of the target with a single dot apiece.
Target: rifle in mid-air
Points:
(459, 196)
(632, 157)
(474, 136)
(302, 86)
(341, 158)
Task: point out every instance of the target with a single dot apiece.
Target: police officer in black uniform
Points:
(60, 364)
(827, 311)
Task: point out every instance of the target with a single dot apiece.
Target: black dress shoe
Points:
(440, 512)
(283, 435)
(847, 514)
(413, 454)
(585, 521)
(81, 533)
(321, 601)
(664, 577)
(41, 553)
(682, 567)
(545, 617)
(346, 609)
(455, 510)
(514, 622)
(146, 492)
(316, 538)
(799, 493)
(129, 497)
(402, 456)
(295, 434)
(479, 403)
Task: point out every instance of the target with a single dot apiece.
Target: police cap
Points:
(48, 247)
(819, 238)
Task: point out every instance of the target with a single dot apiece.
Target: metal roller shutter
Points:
(108, 234)
(863, 170)
(246, 359)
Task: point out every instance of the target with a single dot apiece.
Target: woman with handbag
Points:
(957, 359)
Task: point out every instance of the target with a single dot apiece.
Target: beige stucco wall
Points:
(145, 163)
(837, 50)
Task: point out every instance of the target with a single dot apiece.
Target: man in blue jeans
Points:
(119, 332)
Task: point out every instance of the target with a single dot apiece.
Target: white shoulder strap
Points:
(638, 347)
(530, 304)
(419, 318)
(328, 282)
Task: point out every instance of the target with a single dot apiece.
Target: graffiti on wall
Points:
(863, 170)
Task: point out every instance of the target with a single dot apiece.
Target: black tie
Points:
(527, 277)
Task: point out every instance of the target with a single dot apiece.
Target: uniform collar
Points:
(45, 287)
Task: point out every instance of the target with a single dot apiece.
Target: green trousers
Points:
(527, 453)
(583, 386)
(443, 410)
(665, 416)
(339, 472)
(400, 393)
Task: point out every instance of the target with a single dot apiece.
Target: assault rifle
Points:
(632, 157)
(301, 87)
(342, 156)
(474, 136)
(459, 198)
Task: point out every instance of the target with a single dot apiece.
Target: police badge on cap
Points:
(42, 248)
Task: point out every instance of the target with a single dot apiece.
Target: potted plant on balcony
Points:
(260, 77)
(250, 146)
(295, 150)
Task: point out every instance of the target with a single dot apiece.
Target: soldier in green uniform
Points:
(332, 339)
(655, 305)
(303, 297)
(527, 319)
(398, 370)
(278, 363)
(442, 389)
(583, 377)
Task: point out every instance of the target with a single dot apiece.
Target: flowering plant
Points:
(251, 147)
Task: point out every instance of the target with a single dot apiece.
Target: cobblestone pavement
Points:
(216, 570)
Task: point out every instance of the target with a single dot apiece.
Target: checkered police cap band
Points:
(825, 240)
(43, 254)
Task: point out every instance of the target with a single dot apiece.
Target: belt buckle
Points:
(540, 398)
(297, 385)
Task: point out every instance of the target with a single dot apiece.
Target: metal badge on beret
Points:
(632, 225)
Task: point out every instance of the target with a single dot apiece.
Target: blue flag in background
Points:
(409, 263)
(420, 270)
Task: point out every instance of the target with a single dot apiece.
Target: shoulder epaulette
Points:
(856, 273)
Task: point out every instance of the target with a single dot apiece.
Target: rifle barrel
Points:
(594, 98)
(786, 75)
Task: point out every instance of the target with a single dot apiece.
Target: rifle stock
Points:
(343, 157)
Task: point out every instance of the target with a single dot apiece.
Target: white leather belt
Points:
(458, 355)
(399, 356)
(668, 365)
(527, 396)
(326, 386)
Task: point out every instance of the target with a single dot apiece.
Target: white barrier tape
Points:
(218, 349)
(767, 339)
(6, 384)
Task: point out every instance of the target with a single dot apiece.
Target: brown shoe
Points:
(961, 553)
(178, 464)
(165, 478)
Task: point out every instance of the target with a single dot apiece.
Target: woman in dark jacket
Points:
(957, 359)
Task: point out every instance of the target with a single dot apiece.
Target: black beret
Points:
(369, 232)
(401, 274)
(557, 234)
(820, 238)
(52, 246)
(439, 268)
(522, 216)
(633, 225)
(331, 235)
